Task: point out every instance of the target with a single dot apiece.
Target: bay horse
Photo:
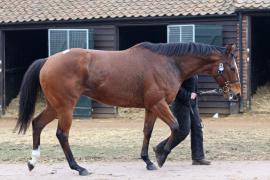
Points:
(144, 76)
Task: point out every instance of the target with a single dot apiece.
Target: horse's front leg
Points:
(62, 133)
(162, 110)
(149, 122)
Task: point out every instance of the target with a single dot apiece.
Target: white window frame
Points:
(68, 31)
(180, 27)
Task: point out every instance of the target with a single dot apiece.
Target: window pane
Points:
(78, 39)
(58, 41)
(174, 34)
(187, 34)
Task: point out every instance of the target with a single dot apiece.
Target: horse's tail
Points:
(29, 91)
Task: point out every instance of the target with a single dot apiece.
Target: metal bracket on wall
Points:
(248, 51)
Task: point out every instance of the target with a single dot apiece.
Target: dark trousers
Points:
(189, 121)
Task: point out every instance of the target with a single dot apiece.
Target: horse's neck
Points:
(191, 65)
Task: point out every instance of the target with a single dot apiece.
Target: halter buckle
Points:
(220, 68)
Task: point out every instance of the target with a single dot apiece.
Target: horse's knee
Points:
(61, 135)
(181, 134)
(175, 126)
(147, 132)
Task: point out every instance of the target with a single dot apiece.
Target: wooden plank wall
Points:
(209, 104)
(104, 39)
(245, 81)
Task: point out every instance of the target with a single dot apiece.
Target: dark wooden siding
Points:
(217, 103)
(104, 39)
(211, 103)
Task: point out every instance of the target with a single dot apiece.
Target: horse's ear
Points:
(230, 48)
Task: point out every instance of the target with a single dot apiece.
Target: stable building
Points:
(30, 30)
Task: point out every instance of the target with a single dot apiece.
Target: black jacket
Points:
(190, 85)
(187, 114)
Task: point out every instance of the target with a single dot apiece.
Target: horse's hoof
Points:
(160, 156)
(162, 160)
(84, 172)
(30, 166)
(151, 167)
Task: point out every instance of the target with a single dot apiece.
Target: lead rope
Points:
(213, 91)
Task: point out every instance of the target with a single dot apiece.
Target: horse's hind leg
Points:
(62, 133)
(38, 124)
(149, 122)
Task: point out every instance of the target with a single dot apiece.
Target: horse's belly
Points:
(116, 97)
(116, 81)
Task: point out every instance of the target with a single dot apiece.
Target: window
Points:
(209, 34)
(62, 39)
(181, 33)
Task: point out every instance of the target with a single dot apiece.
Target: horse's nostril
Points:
(236, 96)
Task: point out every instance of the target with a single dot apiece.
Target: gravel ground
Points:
(238, 146)
(231, 170)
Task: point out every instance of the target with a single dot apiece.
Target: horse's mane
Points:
(181, 49)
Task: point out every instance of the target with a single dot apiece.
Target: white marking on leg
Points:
(35, 156)
(66, 51)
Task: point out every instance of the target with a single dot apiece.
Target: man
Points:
(185, 109)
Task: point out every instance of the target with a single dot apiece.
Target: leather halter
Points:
(226, 87)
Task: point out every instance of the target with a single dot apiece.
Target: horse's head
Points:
(226, 72)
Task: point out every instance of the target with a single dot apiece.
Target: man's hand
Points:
(193, 95)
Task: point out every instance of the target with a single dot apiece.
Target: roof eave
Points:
(116, 20)
(252, 10)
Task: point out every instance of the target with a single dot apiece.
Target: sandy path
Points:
(232, 170)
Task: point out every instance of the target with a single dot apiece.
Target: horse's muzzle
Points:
(233, 97)
(234, 91)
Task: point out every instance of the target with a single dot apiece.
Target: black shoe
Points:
(201, 162)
